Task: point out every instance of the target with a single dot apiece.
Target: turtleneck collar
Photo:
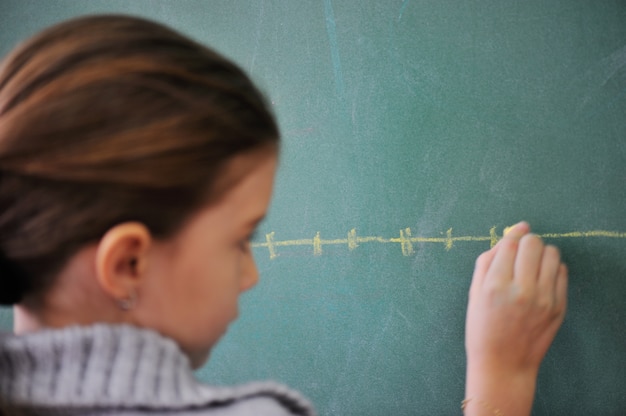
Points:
(113, 366)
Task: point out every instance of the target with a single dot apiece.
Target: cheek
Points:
(198, 313)
(206, 287)
(193, 295)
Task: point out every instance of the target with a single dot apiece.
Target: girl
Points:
(134, 167)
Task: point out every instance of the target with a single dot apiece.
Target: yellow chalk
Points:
(317, 245)
(449, 240)
(406, 240)
(352, 239)
(269, 239)
(493, 237)
(507, 229)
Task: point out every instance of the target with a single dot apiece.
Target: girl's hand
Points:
(517, 303)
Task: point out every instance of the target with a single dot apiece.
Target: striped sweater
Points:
(122, 370)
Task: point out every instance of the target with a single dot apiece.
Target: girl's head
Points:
(134, 164)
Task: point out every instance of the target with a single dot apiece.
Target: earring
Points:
(128, 302)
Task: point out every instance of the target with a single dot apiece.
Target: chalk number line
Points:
(406, 240)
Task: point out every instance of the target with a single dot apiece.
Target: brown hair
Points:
(107, 119)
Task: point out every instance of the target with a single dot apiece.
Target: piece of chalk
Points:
(507, 229)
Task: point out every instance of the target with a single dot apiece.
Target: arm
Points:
(517, 303)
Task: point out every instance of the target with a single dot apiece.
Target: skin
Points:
(516, 305)
(186, 287)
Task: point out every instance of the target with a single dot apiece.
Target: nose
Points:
(250, 273)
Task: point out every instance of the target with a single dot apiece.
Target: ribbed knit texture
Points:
(121, 368)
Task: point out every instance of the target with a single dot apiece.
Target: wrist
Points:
(492, 390)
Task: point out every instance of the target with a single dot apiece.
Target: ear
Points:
(121, 259)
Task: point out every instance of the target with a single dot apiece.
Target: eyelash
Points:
(245, 243)
(253, 235)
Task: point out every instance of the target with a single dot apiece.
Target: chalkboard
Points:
(414, 132)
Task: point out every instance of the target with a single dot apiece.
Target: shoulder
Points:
(261, 398)
(258, 399)
(104, 370)
(252, 406)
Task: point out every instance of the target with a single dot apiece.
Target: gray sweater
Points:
(121, 370)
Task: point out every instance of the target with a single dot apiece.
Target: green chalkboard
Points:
(414, 131)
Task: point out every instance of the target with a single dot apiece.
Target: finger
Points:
(561, 289)
(528, 262)
(561, 296)
(481, 267)
(516, 231)
(501, 268)
(549, 272)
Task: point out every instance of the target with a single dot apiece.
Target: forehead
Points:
(251, 176)
(239, 168)
(245, 188)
